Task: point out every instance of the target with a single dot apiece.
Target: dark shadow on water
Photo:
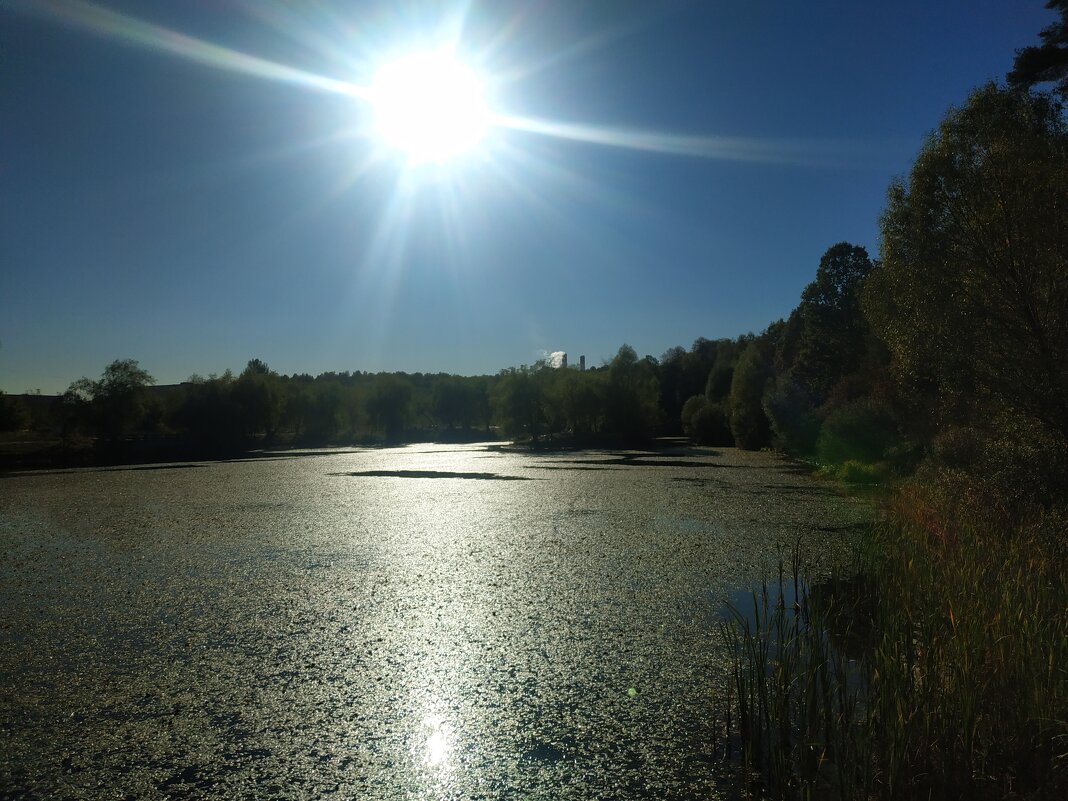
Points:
(89, 461)
(432, 474)
(138, 468)
(149, 467)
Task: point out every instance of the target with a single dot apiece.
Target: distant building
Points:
(582, 363)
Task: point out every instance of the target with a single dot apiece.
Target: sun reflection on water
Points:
(437, 748)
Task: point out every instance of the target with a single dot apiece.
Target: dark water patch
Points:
(147, 467)
(431, 474)
(542, 751)
(75, 471)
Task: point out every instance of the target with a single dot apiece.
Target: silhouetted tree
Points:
(208, 414)
(1048, 61)
(113, 405)
(519, 401)
(389, 404)
(13, 415)
(455, 401)
(832, 332)
(260, 399)
(578, 399)
(632, 395)
(825, 340)
(673, 394)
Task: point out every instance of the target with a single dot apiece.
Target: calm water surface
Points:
(414, 623)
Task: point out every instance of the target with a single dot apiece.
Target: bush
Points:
(792, 415)
(862, 431)
(705, 422)
(1015, 472)
(854, 472)
(957, 448)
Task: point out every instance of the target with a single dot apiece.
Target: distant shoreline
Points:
(35, 452)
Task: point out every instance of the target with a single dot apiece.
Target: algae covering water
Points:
(422, 622)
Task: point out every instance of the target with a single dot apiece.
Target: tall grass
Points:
(938, 670)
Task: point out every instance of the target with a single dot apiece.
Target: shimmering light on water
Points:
(378, 624)
(438, 742)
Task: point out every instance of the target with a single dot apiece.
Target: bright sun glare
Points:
(429, 106)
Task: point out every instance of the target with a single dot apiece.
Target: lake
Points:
(426, 622)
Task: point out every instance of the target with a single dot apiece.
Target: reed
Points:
(936, 668)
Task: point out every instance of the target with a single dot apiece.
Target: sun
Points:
(429, 106)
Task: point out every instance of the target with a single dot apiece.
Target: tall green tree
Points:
(632, 395)
(748, 421)
(972, 293)
(825, 340)
(827, 337)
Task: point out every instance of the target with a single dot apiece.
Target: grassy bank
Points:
(937, 669)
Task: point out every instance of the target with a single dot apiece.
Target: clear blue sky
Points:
(189, 208)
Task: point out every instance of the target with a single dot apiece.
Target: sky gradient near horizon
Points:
(166, 198)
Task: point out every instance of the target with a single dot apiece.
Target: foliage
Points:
(260, 399)
(519, 402)
(831, 329)
(455, 402)
(13, 415)
(208, 413)
(1047, 61)
(706, 422)
(791, 414)
(749, 423)
(390, 405)
(631, 407)
(114, 405)
(855, 472)
(862, 431)
(972, 294)
(578, 400)
(707, 367)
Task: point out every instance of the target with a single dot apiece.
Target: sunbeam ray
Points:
(800, 152)
(130, 30)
